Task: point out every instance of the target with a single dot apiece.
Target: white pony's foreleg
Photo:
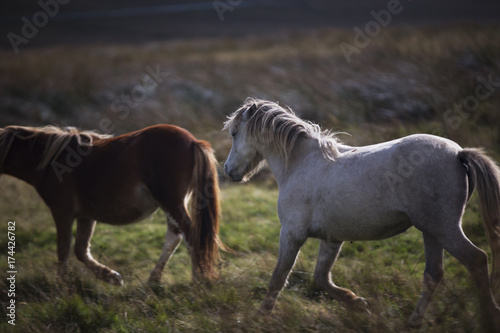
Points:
(289, 248)
(328, 253)
(172, 240)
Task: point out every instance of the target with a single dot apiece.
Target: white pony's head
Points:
(259, 127)
(244, 159)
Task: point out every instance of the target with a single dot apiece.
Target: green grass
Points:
(387, 273)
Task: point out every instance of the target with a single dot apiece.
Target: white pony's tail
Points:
(484, 173)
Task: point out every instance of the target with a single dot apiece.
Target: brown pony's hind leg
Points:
(172, 240)
(84, 232)
(328, 253)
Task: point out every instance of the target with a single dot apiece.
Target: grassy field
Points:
(407, 80)
(387, 273)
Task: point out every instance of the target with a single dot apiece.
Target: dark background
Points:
(112, 21)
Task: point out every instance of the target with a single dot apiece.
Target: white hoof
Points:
(115, 278)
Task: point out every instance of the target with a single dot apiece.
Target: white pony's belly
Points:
(374, 228)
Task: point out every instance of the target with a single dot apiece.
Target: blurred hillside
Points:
(441, 80)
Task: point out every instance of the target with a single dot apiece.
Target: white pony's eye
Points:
(233, 133)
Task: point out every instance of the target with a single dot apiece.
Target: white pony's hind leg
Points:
(172, 240)
(433, 274)
(476, 262)
(328, 252)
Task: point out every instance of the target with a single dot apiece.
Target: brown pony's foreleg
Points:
(63, 226)
(84, 232)
(328, 252)
(172, 240)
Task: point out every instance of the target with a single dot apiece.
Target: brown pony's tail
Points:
(484, 173)
(205, 211)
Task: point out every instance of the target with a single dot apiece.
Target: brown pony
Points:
(92, 177)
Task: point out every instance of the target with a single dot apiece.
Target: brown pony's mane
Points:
(278, 127)
(57, 139)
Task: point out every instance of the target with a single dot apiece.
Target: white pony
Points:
(338, 193)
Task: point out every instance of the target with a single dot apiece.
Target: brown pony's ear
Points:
(250, 111)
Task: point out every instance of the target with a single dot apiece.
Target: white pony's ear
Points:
(249, 112)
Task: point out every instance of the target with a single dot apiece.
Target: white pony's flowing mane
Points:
(58, 139)
(275, 127)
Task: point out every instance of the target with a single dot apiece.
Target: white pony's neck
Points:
(301, 154)
(277, 166)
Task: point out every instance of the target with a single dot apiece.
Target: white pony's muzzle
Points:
(234, 177)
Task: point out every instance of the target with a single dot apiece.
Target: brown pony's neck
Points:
(27, 152)
(22, 159)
